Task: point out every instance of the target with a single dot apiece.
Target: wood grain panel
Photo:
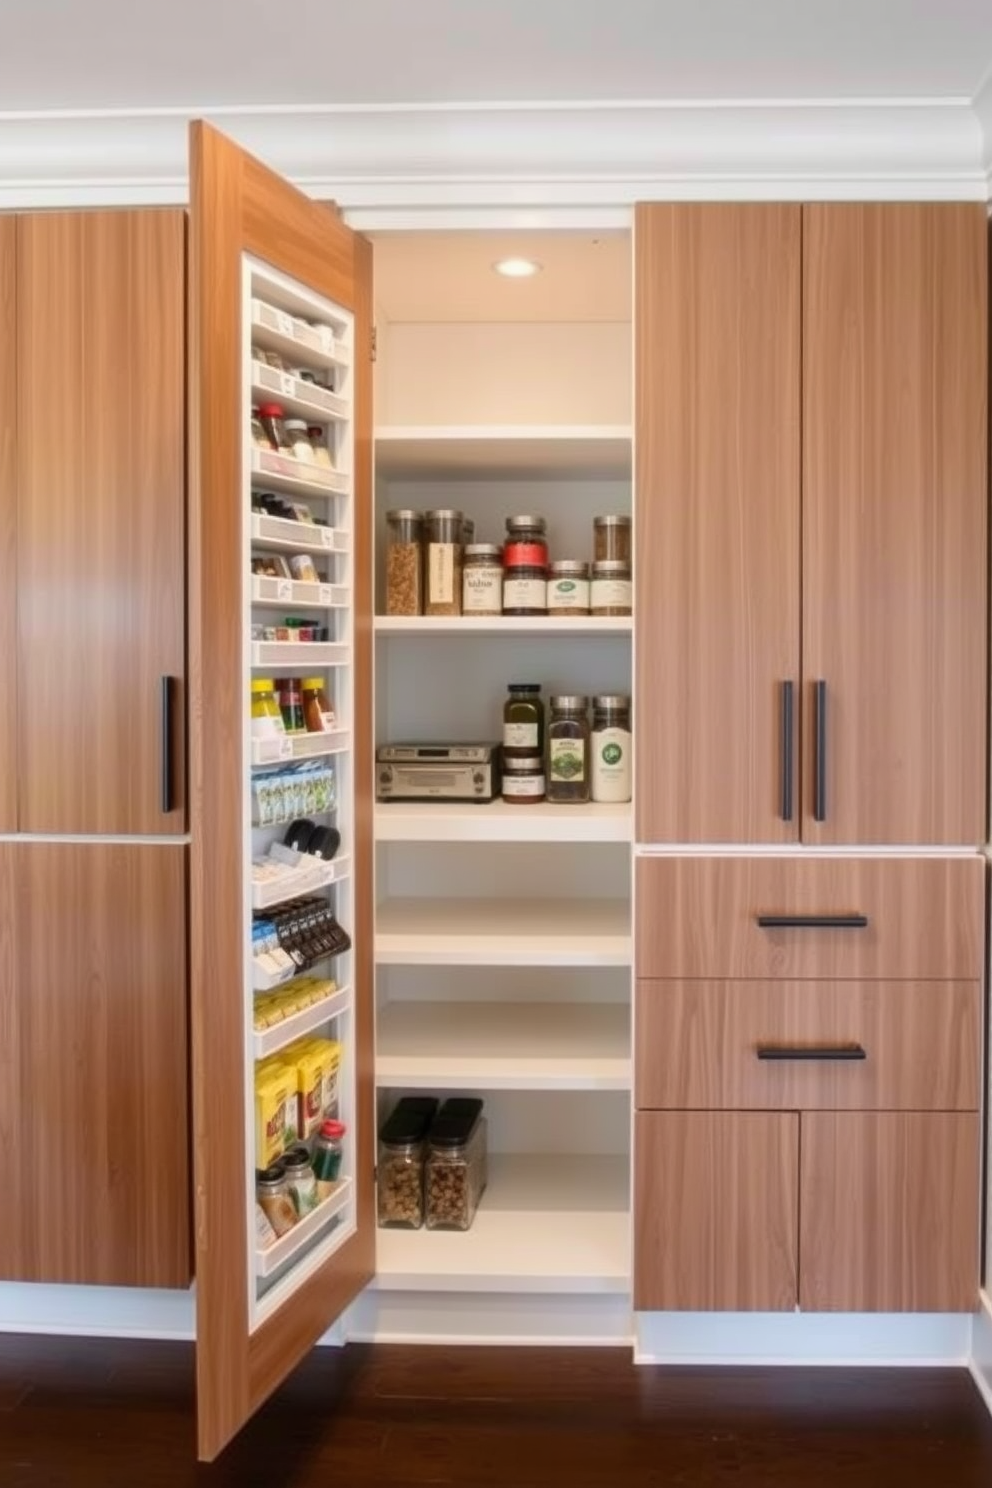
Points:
(8, 524)
(715, 1211)
(717, 332)
(889, 1212)
(240, 207)
(101, 517)
(697, 917)
(895, 369)
(697, 1045)
(97, 1175)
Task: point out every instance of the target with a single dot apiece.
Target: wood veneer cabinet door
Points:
(717, 328)
(238, 208)
(889, 1211)
(93, 1058)
(894, 521)
(716, 1197)
(8, 525)
(101, 487)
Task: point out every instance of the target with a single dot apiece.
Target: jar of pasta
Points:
(443, 565)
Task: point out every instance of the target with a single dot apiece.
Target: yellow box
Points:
(275, 1111)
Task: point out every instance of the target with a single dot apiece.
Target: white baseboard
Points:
(773, 1338)
(99, 1312)
(509, 1320)
(980, 1362)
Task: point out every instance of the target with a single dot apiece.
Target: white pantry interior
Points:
(503, 939)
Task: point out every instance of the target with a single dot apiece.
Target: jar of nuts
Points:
(402, 1152)
(456, 1165)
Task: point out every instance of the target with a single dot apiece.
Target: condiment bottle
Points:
(318, 715)
(300, 1180)
(523, 721)
(611, 739)
(318, 443)
(327, 1154)
(271, 417)
(291, 704)
(272, 1192)
(266, 716)
(299, 441)
(568, 749)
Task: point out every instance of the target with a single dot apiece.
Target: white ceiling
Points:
(448, 276)
(100, 54)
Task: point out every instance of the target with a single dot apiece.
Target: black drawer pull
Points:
(787, 765)
(165, 746)
(835, 1053)
(820, 774)
(812, 922)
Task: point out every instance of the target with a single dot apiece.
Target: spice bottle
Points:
(523, 721)
(611, 536)
(271, 418)
(444, 563)
(272, 1193)
(259, 438)
(523, 779)
(291, 705)
(318, 715)
(404, 568)
(611, 739)
(266, 716)
(299, 440)
(525, 566)
(318, 443)
(568, 749)
(568, 587)
(328, 1151)
(300, 1180)
(611, 591)
(482, 580)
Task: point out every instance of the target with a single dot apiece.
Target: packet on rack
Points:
(304, 789)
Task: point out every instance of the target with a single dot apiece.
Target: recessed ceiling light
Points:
(517, 268)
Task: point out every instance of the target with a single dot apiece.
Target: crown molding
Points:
(378, 161)
(982, 108)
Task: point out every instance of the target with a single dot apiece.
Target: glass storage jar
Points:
(299, 441)
(523, 721)
(259, 438)
(404, 563)
(568, 587)
(318, 443)
(526, 544)
(456, 1165)
(611, 536)
(611, 776)
(611, 591)
(523, 779)
(568, 749)
(271, 418)
(400, 1167)
(318, 715)
(482, 579)
(444, 562)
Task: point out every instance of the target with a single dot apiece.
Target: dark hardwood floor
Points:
(80, 1413)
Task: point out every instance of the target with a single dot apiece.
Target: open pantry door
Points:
(281, 940)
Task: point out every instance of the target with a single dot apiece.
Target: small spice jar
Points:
(266, 715)
(523, 779)
(318, 715)
(299, 440)
(526, 543)
(291, 705)
(318, 443)
(443, 530)
(272, 1193)
(404, 566)
(271, 418)
(568, 749)
(482, 579)
(326, 1157)
(259, 438)
(611, 591)
(611, 536)
(300, 1180)
(611, 777)
(523, 721)
(568, 587)
(456, 1165)
(400, 1165)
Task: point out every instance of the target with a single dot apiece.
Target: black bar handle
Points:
(787, 768)
(835, 1053)
(820, 781)
(165, 747)
(811, 921)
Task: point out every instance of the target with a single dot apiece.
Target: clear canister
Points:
(611, 590)
(611, 536)
(404, 563)
(611, 775)
(482, 580)
(400, 1167)
(443, 564)
(568, 749)
(456, 1165)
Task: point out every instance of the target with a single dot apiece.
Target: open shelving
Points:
(505, 625)
(281, 1035)
(298, 398)
(503, 932)
(496, 821)
(281, 330)
(517, 451)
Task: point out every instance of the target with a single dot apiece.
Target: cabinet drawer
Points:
(918, 918)
(698, 1045)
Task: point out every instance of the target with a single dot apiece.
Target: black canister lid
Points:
(408, 1121)
(455, 1122)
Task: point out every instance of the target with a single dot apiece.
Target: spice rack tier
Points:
(503, 932)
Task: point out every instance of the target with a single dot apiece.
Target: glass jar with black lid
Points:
(525, 566)
(456, 1171)
(400, 1166)
(523, 721)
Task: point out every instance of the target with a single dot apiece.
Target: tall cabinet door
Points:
(101, 491)
(8, 524)
(264, 262)
(717, 328)
(894, 523)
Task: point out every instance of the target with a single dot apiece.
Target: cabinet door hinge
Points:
(375, 342)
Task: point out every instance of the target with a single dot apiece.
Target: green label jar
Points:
(568, 750)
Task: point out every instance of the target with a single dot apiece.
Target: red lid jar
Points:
(526, 543)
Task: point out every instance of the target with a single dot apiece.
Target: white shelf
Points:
(503, 1046)
(300, 655)
(312, 875)
(271, 1040)
(503, 932)
(277, 331)
(545, 1224)
(299, 398)
(296, 537)
(290, 1244)
(298, 593)
(518, 451)
(299, 746)
(272, 472)
(508, 625)
(470, 821)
